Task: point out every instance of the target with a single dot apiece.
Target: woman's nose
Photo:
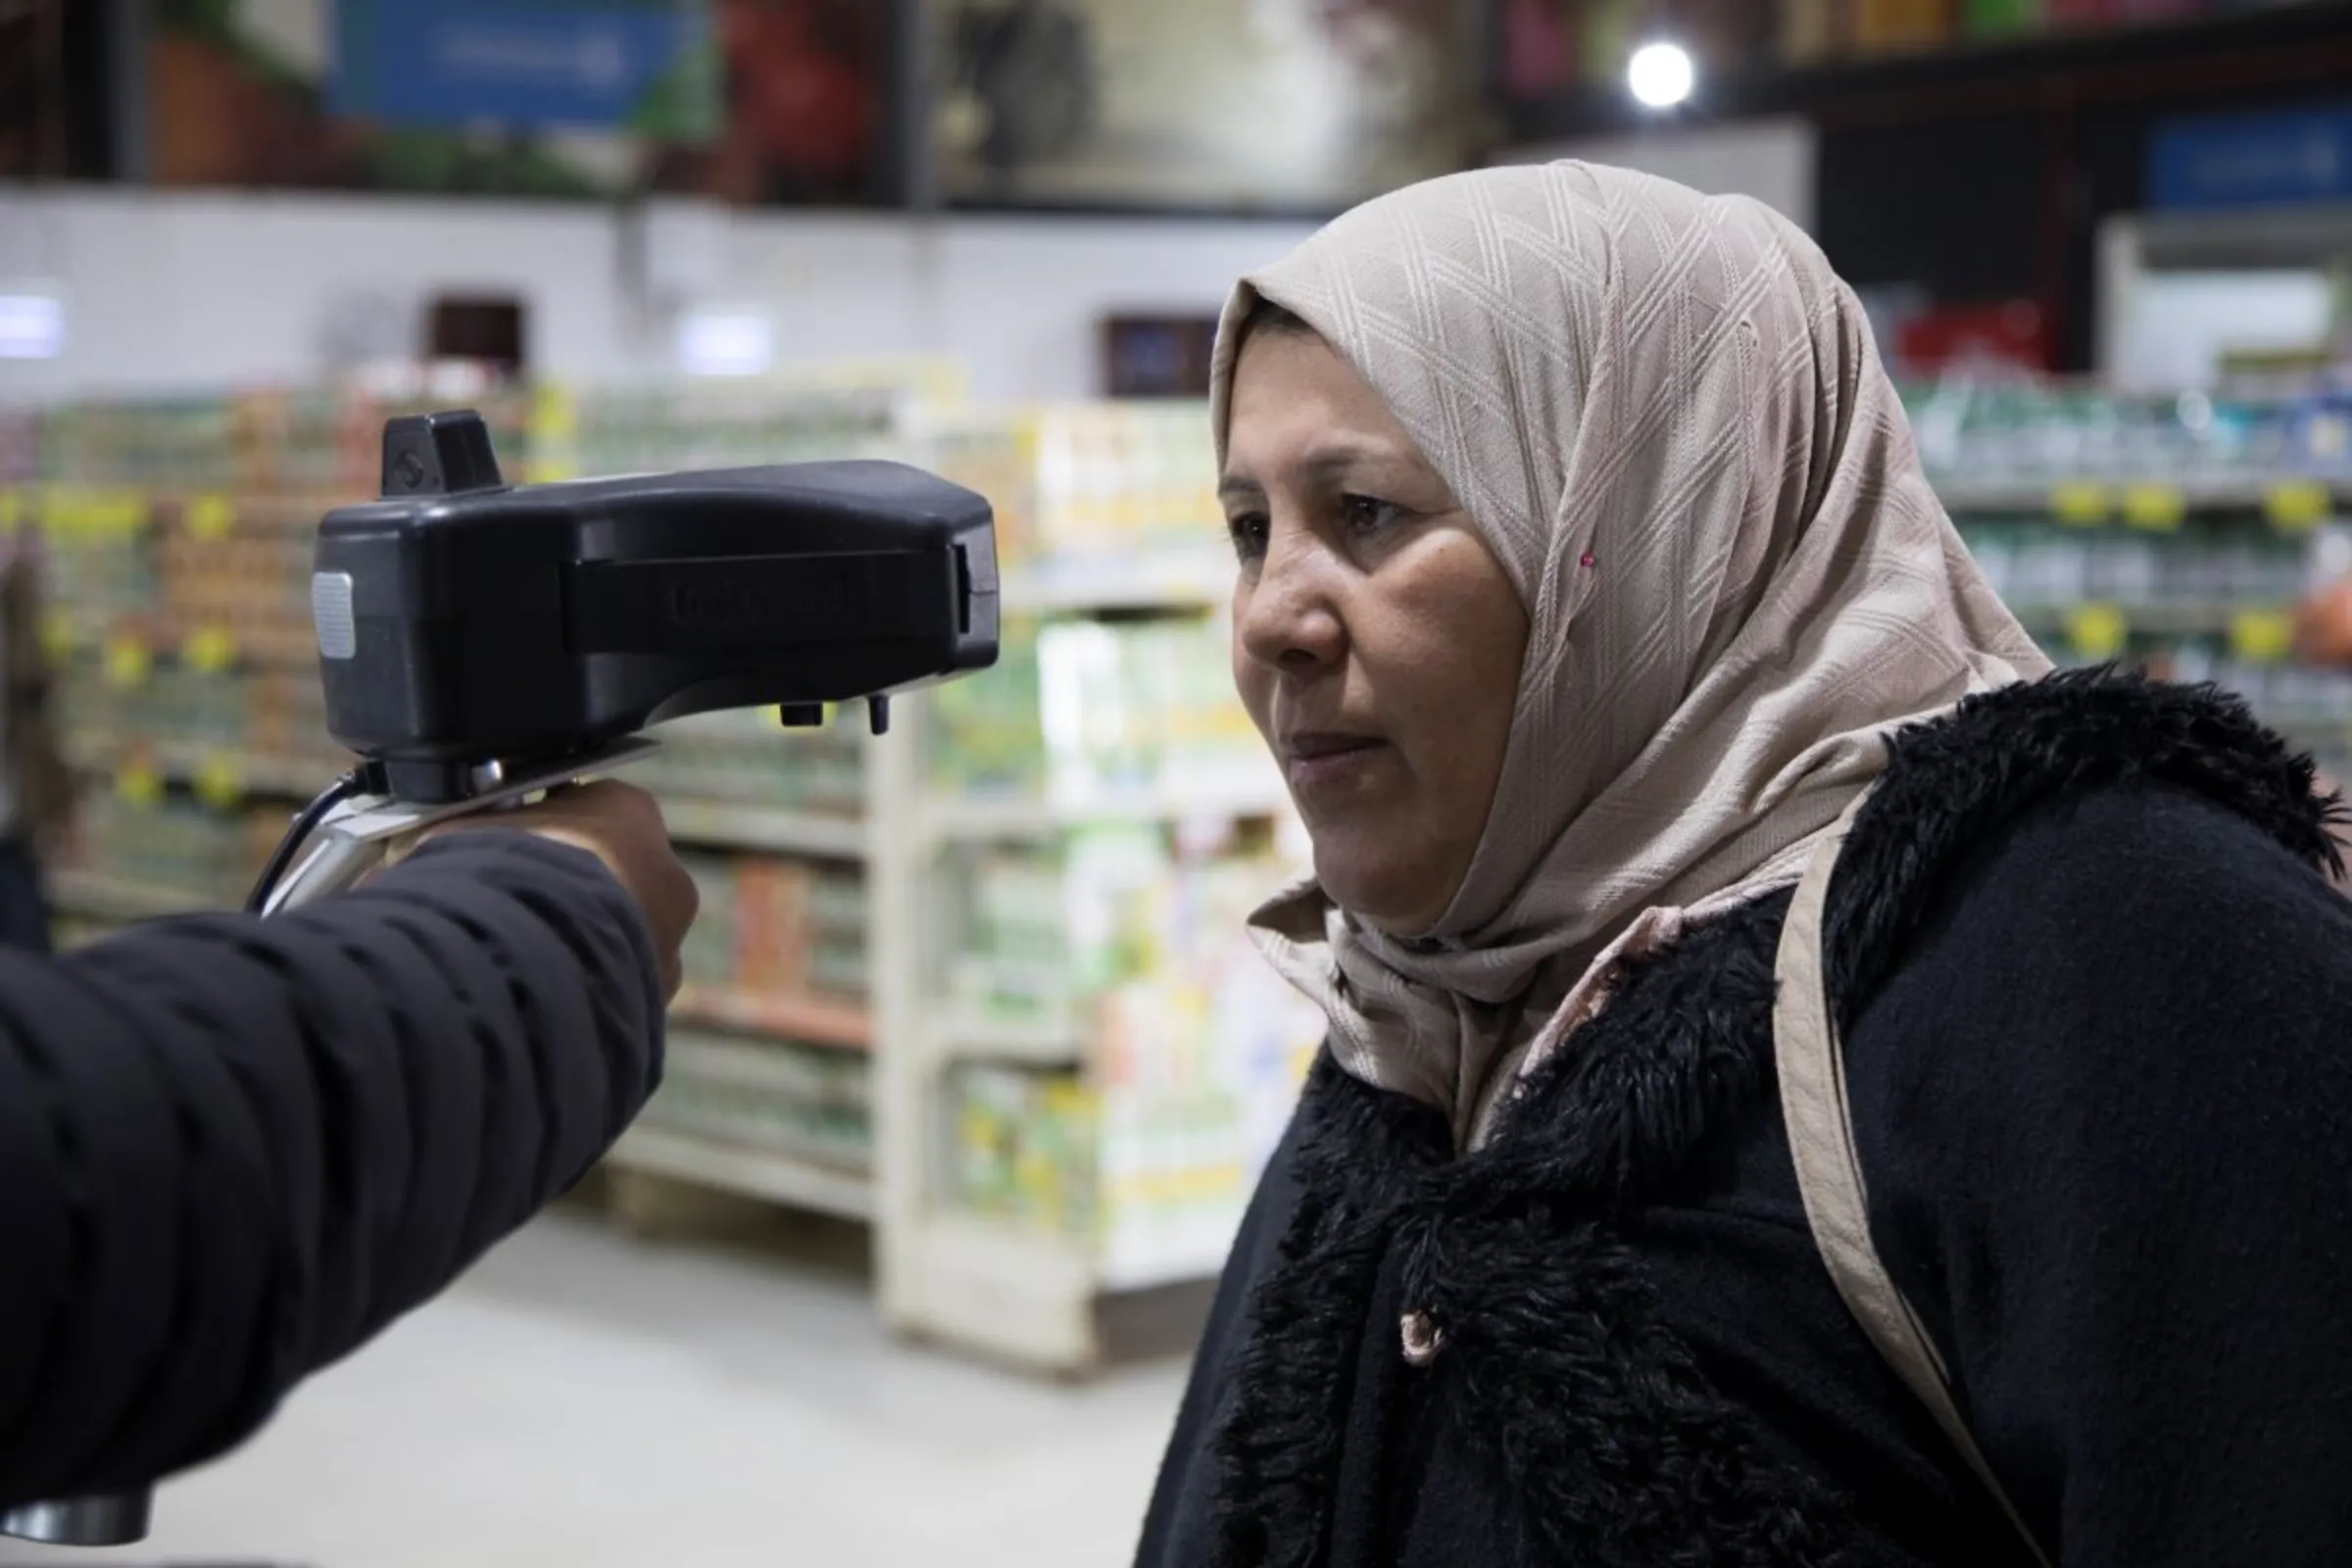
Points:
(1290, 620)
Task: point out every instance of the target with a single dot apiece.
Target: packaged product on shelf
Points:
(1145, 707)
(1049, 929)
(773, 934)
(2001, 18)
(712, 942)
(746, 757)
(1194, 1047)
(1024, 1144)
(839, 959)
(1125, 481)
(986, 734)
(810, 1103)
(995, 457)
(1887, 26)
(172, 850)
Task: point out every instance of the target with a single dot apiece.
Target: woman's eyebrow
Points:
(1322, 463)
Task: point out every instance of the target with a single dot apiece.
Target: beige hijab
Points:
(1666, 418)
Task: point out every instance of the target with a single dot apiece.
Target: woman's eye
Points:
(1367, 515)
(1248, 531)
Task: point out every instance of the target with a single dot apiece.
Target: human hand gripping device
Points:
(481, 642)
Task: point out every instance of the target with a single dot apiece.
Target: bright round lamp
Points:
(1661, 75)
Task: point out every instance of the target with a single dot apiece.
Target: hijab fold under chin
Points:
(1665, 417)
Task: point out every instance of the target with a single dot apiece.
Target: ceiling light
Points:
(1661, 75)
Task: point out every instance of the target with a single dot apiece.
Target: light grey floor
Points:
(585, 1401)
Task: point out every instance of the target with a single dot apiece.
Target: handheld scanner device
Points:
(481, 641)
(467, 625)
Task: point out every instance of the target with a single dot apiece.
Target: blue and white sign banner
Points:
(644, 66)
(2263, 159)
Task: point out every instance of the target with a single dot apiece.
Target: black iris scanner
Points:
(466, 623)
(481, 642)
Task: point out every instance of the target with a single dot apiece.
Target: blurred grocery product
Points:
(2190, 535)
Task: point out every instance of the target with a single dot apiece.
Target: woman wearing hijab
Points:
(1804, 1083)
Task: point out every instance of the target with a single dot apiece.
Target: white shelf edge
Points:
(741, 1169)
(752, 827)
(958, 1035)
(983, 1245)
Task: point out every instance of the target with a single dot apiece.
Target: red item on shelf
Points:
(2008, 332)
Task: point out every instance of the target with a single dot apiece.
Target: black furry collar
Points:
(1619, 1109)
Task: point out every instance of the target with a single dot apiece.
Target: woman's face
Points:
(1377, 642)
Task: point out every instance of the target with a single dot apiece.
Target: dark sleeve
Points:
(2105, 1112)
(232, 1150)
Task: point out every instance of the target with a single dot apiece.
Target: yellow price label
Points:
(127, 662)
(212, 517)
(2081, 505)
(56, 635)
(11, 511)
(2097, 631)
(2157, 508)
(2261, 636)
(2298, 507)
(208, 650)
(139, 785)
(220, 782)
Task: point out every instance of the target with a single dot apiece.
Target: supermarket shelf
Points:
(2212, 492)
(812, 1021)
(738, 1063)
(739, 1169)
(960, 1036)
(1202, 581)
(949, 818)
(270, 779)
(750, 827)
(2153, 620)
(108, 898)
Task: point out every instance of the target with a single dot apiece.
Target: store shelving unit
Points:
(99, 897)
(2176, 533)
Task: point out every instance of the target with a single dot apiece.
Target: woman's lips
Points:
(1317, 763)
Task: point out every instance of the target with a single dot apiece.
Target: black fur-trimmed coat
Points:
(2094, 991)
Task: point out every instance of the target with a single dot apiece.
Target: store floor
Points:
(582, 1400)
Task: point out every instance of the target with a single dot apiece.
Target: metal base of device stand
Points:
(112, 1519)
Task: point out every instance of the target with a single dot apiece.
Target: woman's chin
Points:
(1395, 894)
